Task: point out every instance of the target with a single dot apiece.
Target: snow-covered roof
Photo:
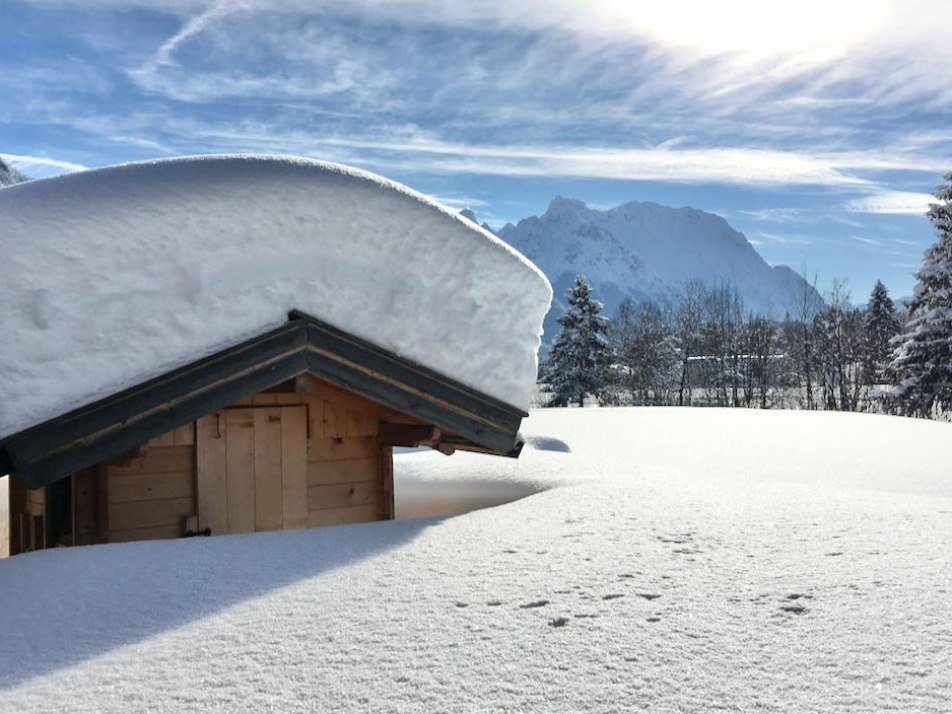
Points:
(115, 276)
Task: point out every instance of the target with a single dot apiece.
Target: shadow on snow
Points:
(61, 607)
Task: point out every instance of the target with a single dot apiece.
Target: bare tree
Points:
(688, 334)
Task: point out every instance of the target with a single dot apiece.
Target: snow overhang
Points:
(118, 275)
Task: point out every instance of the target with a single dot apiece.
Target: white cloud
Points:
(781, 215)
(894, 202)
(787, 240)
(458, 202)
(741, 166)
(41, 166)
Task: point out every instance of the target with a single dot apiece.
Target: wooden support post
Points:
(408, 434)
(102, 504)
(17, 496)
(386, 468)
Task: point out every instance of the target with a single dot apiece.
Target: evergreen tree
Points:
(882, 324)
(580, 357)
(923, 357)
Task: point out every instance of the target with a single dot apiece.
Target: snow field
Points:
(670, 560)
(123, 273)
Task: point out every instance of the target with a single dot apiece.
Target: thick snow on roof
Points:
(670, 560)
(114, 276)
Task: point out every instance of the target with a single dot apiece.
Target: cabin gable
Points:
(305, 346)
(300, 455)
(290, 429)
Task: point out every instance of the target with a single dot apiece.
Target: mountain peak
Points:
(561, 205)
(647, 251)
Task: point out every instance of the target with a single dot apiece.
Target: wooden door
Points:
(252, 469)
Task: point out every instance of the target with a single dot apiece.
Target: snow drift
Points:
(118, 275)
(670, 560)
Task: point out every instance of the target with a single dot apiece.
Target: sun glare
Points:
(749, 26)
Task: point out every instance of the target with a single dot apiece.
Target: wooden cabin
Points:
(291, 429)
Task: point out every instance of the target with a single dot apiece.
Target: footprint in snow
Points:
(533, 605)
(795, 609)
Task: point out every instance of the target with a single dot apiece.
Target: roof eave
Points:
(93, 433)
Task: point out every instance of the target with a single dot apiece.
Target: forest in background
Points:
(707, 349)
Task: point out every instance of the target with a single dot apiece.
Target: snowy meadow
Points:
(631, 559)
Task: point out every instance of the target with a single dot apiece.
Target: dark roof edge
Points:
(408, 363)
(82, 437)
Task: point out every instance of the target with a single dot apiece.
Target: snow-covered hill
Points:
(667, 560)
(9, 175)
(649, 251)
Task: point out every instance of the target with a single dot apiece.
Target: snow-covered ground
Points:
(664, 559)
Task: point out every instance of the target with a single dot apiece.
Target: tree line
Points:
(706, 349)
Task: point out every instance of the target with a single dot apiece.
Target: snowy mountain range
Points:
(9, 175)
(646, 251)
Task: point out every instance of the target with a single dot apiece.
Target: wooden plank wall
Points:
(88, 527)
(151, 496)
(349, 476)
(27, 517)
(347, 471)
(252, 469)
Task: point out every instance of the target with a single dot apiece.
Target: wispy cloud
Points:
(829, 119)
(893, 202)
(41, 166)
(787, 240)
(781, 215)
(425, 153)
(458, 202)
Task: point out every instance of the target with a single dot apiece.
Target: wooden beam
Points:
(100, 446)
(97, 432)
(15, 501)
(158, 394)
(126, 457)
(386, 472)
(407, 434)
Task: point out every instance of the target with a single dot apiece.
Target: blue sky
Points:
(816, 128)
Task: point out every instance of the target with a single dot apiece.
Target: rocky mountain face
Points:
(9, 175)
(646, 251)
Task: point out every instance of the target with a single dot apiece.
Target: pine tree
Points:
(580, 357)
(923, 357)
(882, 324)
